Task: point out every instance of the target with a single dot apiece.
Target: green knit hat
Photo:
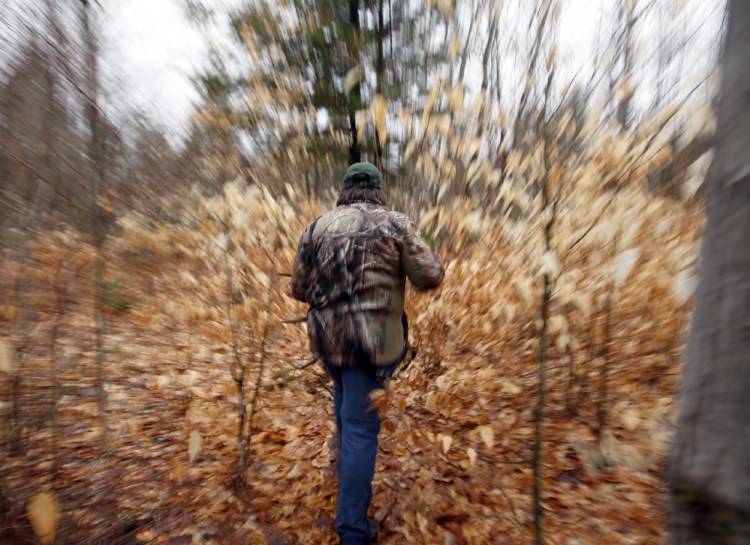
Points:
(363, 175)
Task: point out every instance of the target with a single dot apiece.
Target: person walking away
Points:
(350, 268)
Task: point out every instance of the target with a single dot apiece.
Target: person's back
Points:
(350, 268)
(364, 252)
(354, 281)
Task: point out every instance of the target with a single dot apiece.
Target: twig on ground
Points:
(306, 364)
(295, 320)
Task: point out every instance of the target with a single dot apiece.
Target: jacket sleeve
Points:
(301, 269)
(422, 265)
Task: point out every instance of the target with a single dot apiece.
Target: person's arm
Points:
(422, 265)
(301, 269)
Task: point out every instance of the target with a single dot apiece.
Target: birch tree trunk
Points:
(710, 473)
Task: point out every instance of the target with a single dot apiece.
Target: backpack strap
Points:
(311, 249)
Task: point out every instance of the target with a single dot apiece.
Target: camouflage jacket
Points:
(354, 282)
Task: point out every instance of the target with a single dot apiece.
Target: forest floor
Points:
(454, 464)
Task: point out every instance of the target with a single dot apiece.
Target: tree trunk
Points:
(355, 98)
(98, 224)
(379, 77)
(710, 473)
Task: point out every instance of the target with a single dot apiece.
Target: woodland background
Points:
(155, 379)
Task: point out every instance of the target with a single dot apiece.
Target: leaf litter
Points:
(456, 444)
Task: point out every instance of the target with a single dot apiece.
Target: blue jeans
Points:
(358, 428)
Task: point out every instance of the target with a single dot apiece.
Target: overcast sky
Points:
(152, 50)
(157, 49)
(149, 52)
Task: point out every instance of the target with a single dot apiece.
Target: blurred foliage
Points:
(524, 175)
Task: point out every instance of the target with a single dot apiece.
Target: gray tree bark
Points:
(710, 473)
